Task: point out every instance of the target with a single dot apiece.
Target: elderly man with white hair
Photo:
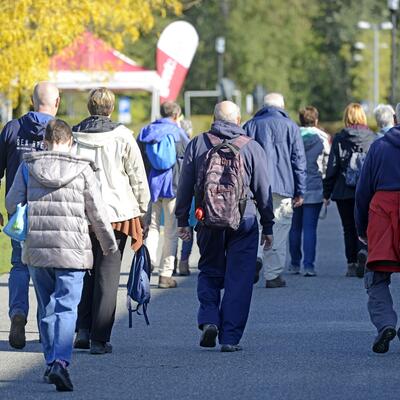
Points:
(384, 116)
(281, 140)
(18, 137)
(227, 253)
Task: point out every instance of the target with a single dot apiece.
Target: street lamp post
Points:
(393, 6)
(375, 29)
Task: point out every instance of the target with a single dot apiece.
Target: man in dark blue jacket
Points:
(227, 256)
(18, 137)
(280, 138)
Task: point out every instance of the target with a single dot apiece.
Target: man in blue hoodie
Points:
(18, 137)
(163, 169)
(227, 256)
(280, 138)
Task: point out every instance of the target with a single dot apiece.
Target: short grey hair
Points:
(274, 100)
(222, 114)
(384, 115)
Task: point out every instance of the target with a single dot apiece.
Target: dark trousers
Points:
(96, 310)
(351, 242)
(227, 261)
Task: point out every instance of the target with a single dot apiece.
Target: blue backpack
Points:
(162, 155)
(139, 283)
(353, 170)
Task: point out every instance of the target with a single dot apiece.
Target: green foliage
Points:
(5, 244)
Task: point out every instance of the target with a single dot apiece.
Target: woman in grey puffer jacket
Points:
(62, 192)
(305, 218)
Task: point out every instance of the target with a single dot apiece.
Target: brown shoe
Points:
(275, 283)
(164, 282)
(184, 268)
(17, 331)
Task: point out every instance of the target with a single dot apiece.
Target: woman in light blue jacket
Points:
(305, 218)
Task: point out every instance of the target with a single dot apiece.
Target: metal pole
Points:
(376, 64)
(393, 70)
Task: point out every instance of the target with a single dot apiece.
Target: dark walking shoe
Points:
(82, 339)
(184, 268)
(17, 331)
(362, 257)
(100, 347)
(230, 348)
(164, 282)
(275, 283)
(381, 344)
(60, 377)
(351, 270)
(259, 265)
(46, 378)
(209, 335)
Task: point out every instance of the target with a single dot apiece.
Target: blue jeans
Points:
(18, 283)
(58, 294)
(304, 221)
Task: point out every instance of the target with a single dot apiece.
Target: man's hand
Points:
(298, 201)
(185, 233)
(1, 220)
(327, 202)
(363, 239)
(266, 241)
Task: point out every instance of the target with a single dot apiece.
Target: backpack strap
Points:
(234, 144)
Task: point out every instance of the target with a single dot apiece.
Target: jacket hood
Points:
(34, 124)
(158, 129)
(55, 169)
(226, 130)
(271, 110)
(393, 136)
(96, 124)
(310, 137)
(98, 139)
(359, 135)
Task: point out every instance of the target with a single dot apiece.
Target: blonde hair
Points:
(354, 114)
(101, 102)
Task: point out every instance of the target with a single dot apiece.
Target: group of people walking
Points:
(253, 194)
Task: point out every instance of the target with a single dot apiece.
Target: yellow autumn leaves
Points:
(34, 30)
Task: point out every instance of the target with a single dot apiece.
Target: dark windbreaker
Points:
(20, 136)
(345, 143)
(256, 180)
(381, 172)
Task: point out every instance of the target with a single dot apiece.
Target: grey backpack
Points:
(220, 191)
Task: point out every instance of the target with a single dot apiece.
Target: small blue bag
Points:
(17, 225)
(139, 283)
(162, 155)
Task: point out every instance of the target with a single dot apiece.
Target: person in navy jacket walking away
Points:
(227, 255)
(377, 215)
(280, 139)
(20, 136)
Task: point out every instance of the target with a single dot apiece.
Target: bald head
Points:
(227, 111)
(274, 100)
(46, 98)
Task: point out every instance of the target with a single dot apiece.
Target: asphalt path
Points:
(310, 340)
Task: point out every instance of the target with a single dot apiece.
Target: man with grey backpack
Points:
(226, 172)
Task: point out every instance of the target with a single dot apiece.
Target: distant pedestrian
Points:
(305, 217)
(280, 138)
(20, 136)
(384, 116)
(228, 253)
(349, 148)
(377, 217)
(125, 191)
(61, 192)
(163, 145)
